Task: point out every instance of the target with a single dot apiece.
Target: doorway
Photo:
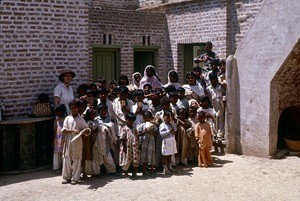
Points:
(190, 51)
(106, 63)
(144, 56)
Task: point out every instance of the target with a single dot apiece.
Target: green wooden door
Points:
(105, 64)
(143, 59)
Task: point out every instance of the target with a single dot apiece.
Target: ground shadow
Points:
(7, 179)
(219, 162)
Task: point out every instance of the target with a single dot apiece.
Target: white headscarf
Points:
(134, 85)
(154, 81)
(175, 84)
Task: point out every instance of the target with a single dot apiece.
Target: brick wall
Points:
(152, 3)
(38, 39)
(118, 4)
(196, 22)
(240, 16)
(127, 29)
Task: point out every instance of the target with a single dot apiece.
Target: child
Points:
(167, 131)
(139, 107)
(129, 149)
(43, 107)
(182, 101)
(103, 93)
(216, 92)
(210, 113)
(121, 106)
(104, 140)
(59, 140)
(204, 138)
(192, 143)
(74, 126)
(183, 127)
(148, 132)
(173, 101)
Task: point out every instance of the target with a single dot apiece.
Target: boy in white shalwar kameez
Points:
(74, 126)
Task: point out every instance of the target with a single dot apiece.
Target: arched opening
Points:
(285, 102)
(288, 126)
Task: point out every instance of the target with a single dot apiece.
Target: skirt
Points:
(168, 146)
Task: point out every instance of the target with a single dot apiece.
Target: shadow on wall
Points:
(232, 28)
(233, 127)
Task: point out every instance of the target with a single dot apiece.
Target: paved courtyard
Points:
(233, 178)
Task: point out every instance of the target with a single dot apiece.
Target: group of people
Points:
(145, 123)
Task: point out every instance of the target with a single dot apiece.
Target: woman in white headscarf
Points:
(136, 78)
(150, 77)
(172, 79)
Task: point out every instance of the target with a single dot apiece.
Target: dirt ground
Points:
(233, 178)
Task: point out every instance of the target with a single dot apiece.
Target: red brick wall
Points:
(38, 39)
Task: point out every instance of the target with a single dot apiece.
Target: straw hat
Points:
(64, 71)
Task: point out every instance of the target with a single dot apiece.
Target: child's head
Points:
(214, 63)
(167, 116)
(197, 70)
(165, 103)
(74, 106)
(173, 97)
(191, 78)
(81, 90)
(101, 82)
(60, 110)
(171, 88)
(201, 116)
(138, 95)
(102, 110)
(43, 98)
(112, 85)
(205, 102)
(102, 94)
(123, 92)
(223, 65)
(147, 116)
(123, 80)
(182, 114)
(192, 111)
(147, 88)
(93, 88)
(181, 93)
(90, 95)
(130, 118)
(213, 78)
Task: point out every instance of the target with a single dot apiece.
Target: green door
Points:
(105, 64)
(143, 59)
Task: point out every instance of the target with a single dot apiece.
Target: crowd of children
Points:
(148, 124)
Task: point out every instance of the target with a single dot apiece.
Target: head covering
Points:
(154, 81)
(135, 85)
(175, 84)
(64, 71)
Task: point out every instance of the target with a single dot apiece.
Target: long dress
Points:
(147, 132)
(129, 149)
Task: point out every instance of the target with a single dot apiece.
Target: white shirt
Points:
(65, 94)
